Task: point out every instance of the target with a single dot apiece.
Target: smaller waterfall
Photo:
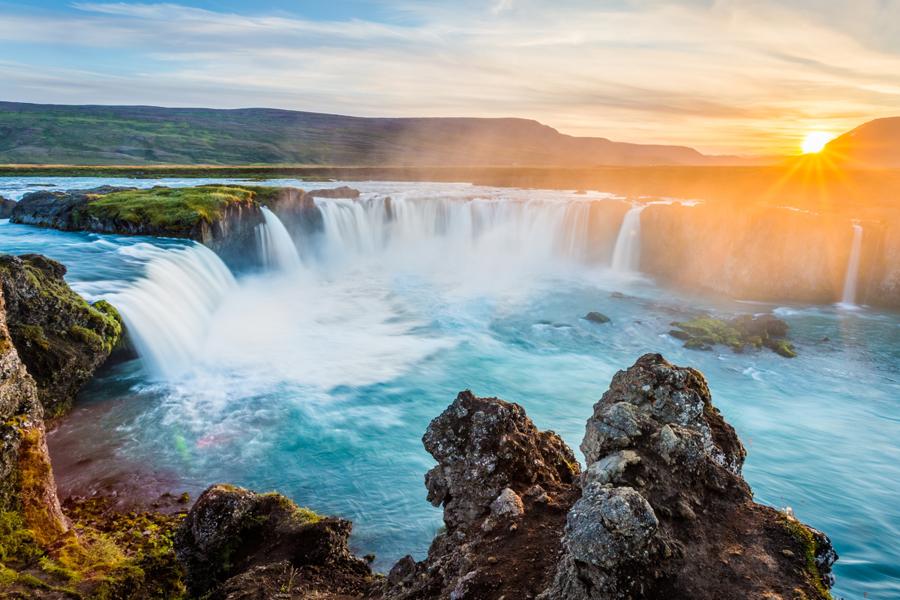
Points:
(627, 252)
(851, 277)
(276, 245)
(168, 312)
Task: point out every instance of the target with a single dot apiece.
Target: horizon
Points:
(723, 78)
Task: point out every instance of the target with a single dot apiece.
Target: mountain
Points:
(135, 135)
(875, 144)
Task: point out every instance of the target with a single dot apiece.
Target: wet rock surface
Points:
(235, 543)
(60, 337)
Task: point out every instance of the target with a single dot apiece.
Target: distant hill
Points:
(136, 135)
(875, 144)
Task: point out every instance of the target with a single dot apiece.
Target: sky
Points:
(723, 76)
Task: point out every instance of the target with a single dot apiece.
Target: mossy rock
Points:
(176, 211)
(740, 333)
(60, 337)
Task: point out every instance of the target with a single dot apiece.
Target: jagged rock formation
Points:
(665, 512)
(505, 487)
(236, 544)
(60, 337)
(660, 512)
(27, 487)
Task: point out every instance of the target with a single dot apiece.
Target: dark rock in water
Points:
(596, 317)
(505, 487)
(235, 543)
(222, 217)
(6, 207)
(739, 333)
(338, 192)
(60, 337)
(665, 512)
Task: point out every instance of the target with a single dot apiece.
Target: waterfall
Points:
(169, 310)
(517, 230)
(627, 253)
(276, 246)
(851, 277)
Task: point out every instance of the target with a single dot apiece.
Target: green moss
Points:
(739, 333)
(782, 347)
(34, 335)
(810, 549)
(173, 210)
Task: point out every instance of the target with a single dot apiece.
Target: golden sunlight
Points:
(815, 141)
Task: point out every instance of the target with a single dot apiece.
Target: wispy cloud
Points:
(724, 75)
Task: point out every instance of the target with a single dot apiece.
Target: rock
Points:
(664, 500)
(222, 217)
(739, 333)
(505, 487)
(484, 445)
(338, 192)
(27, 486)
(234, 541)
(60, 337)
(507, 505)
(595, 317)
(6, 207)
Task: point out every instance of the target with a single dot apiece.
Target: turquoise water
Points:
(319, 383)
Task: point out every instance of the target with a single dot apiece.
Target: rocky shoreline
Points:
(660, 511)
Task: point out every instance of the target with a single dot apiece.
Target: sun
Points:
(815, 141)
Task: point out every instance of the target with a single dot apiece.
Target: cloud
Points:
(723, 75)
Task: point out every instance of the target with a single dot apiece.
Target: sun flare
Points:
(815, 141)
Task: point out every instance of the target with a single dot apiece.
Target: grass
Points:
(175, 210)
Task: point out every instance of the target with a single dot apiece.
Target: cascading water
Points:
(169, 310)
(627, 252)
(851, 277)
(276, 246)
(486, 228)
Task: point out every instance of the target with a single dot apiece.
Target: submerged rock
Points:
(235, 543)
(665, 512)
(739, 333)
(596, 317)
(60, 337)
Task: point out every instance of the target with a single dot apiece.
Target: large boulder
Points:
(59, 336)
(235, 543)
(505, 487)
(223, 217)
(665, 512)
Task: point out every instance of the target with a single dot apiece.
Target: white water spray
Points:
(489, 228)
(169, 311)
(277, 247)
(627, 252)
(851, 277)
